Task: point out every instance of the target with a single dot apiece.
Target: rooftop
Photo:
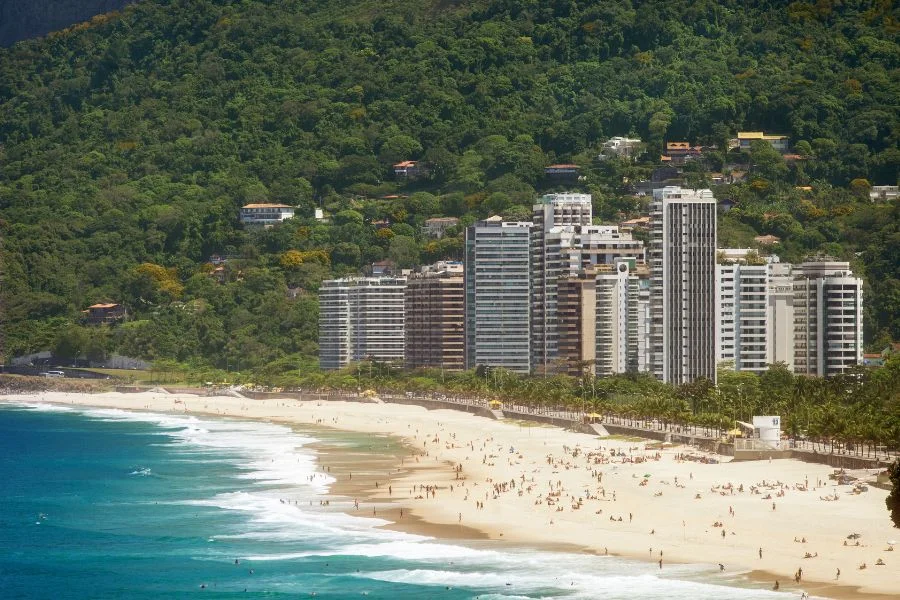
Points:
(759, 135)
(267, 206)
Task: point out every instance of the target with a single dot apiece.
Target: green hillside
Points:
(127, 146)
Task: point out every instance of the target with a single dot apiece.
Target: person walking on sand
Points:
(660, 563)
(760, 553)
(837, 575)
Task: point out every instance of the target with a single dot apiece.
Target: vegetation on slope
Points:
(129, 144)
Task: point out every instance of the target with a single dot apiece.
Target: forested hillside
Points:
(22, 20)
(128, 145)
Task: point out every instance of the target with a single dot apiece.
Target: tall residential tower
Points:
(497, 284)
(683, 285)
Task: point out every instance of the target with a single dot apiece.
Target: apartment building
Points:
(497, 286)
(435, 317)
(361, 318)
(603, 313)
(828, 318)
(683, 284)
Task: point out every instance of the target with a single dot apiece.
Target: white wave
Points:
(267, 453)
(555, 578)
(142, 471)
(39, 406)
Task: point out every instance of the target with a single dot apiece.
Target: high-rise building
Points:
(435, 318)
(743, 291)
(498, 285)
(563, 243)
(828, 318)
(756, 310)
(554, 218)
(683, 284)
(361, 318)
(601, 316)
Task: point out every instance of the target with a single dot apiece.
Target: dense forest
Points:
(128, 144)
(23, 20)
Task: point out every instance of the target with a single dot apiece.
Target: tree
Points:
(404, 251)
(893, 499)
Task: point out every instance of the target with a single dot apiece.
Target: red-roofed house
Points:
(410, 169)
(101, 314)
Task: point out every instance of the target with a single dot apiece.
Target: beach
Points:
(471, 477)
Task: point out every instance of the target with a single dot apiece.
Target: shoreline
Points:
(446, 444)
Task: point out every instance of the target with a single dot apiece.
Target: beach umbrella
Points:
(891, 542)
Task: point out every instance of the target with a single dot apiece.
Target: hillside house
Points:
(562, 172)
(767, 240)
(410, 169)
(883, 193)
(438, 226)
(622, 147)
(265, 214)
(745, 138)
(103, 314)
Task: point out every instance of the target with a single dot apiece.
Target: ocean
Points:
(101, 503)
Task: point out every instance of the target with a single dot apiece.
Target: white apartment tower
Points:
(683, 284)
(743, 293)
(828, 318)
(497, 287)
(361, 318)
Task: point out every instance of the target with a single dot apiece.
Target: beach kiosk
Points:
(592, 418)
(496, 404)
(768, 429)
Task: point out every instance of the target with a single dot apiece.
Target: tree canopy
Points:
(128, 144)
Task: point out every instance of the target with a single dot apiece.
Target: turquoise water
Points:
(113, 504)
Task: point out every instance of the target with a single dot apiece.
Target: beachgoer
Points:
(760, 553)
(721, 567)
(837, 575)
(660, 563)
(776, 586)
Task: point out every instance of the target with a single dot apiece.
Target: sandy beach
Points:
(466, 476)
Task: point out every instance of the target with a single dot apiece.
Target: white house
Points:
(265, 214)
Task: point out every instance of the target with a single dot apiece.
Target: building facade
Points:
(265, 214)
(743, 299)
(554, 218)
(435, 318)
(780, 315)
(497, 285)
(602, 319)
(683, 285)
(361, 318)
(828, 318)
